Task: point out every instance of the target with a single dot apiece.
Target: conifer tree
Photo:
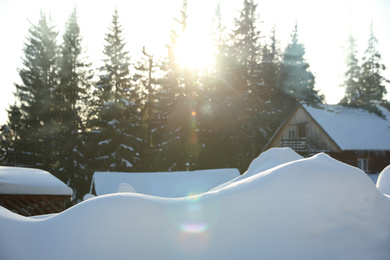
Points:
(151, 113)
(37, 128)
(71, 94)
(218, 119)
(371, 82)
(353, 93)
(246, 80)
(173, 154)
(115, 120)
(296, 78)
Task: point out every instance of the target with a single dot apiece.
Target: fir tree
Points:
(175, 98)
(296, 78)
(151, 113)
(245, 73)
(353, 93)
(371, 82)
(71, 94)
(37, 128)
(116, 120)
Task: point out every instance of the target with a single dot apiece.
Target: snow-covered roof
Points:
(353, 128)
(18, 180)
(163, 184)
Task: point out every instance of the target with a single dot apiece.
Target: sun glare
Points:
(194, 50)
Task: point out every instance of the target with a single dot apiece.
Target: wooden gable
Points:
(301, 132)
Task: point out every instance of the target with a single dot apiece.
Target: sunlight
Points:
(194, 50)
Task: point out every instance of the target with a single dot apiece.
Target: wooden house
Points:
(31, 192)
(352, 135)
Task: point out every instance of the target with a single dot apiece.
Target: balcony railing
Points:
(300, 145)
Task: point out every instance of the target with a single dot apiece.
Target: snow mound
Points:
(125, 187)
(163, 184)
(271, 158)
(383, 182)
(315, 208)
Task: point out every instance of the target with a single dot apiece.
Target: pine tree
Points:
(115, 120)
(371, 82)
(277, 103)
(217, 118)
(296, 78)
(37, 128)
(175, 149)
(71, 94)
(353, 93)
(247, 103)
(149, 84)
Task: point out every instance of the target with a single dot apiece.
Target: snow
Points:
(383, 182)
(273, 157)
(314, 208)
(353, 128)
(18, 180)
(163, 184)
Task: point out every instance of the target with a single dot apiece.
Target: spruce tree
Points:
(149, 85)
(71, 93)
(296, 78)
(173, 153)
(277, 103)
(37, 128)
(115, 124)
(371, 81)
(353, 93)
(245, 77)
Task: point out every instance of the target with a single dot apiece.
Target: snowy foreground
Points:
(283, 207)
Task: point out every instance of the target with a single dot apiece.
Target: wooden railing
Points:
(300, 145)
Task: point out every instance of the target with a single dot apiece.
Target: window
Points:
(363, 164)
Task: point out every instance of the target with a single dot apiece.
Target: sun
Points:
(194, 50)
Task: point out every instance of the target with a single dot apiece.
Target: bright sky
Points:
(322, 25)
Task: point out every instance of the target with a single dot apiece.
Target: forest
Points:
(155, 114)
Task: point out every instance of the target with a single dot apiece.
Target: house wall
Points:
(300, 125)
(377, 160)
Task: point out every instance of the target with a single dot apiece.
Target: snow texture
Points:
(18, 180)
(315, 208)
(265, 161)
(383, 182)
(163, 184)
(353, 128)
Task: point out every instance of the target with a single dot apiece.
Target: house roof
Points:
(353, 128)
(163, 184)
(18, 180)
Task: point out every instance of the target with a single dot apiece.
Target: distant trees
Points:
(365, 83)
(296, 78)
(353, 93)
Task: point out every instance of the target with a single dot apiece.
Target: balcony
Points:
(299, 145)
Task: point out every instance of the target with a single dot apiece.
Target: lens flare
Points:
(193, 227)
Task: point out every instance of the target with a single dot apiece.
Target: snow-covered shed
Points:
(162, 184)
(353, 135)
(31, 192)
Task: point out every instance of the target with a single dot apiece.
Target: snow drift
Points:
(383, 182)
(265, 161)
(315, 208)
(163, 184)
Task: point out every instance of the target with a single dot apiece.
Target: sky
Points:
(323, 27)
